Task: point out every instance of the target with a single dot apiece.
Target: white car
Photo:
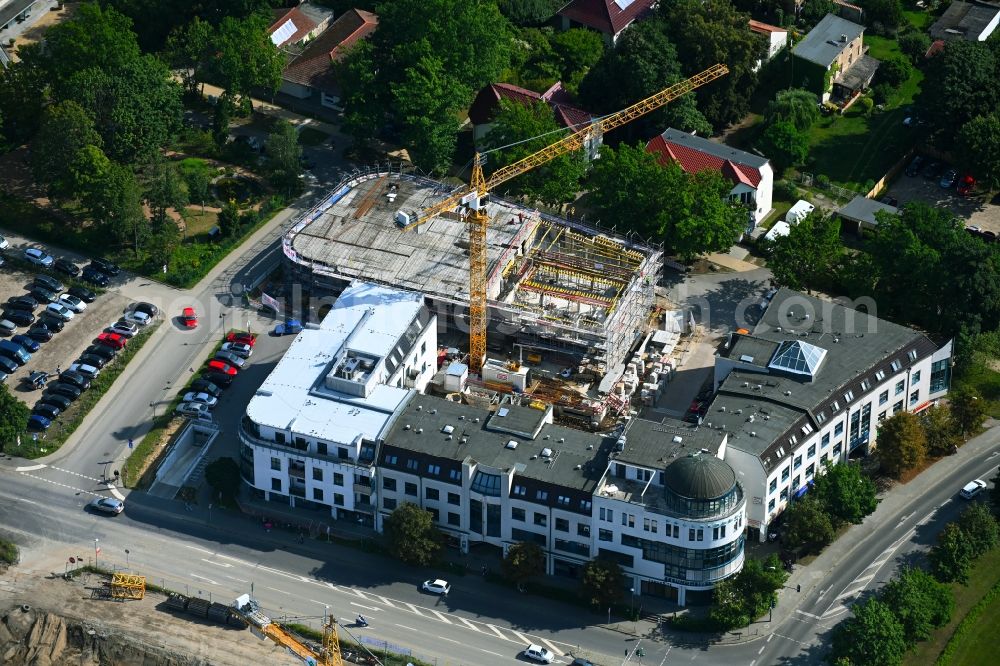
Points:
(539, 654)
(124, 329)
(437, 586)
(60, 311)
(973, 488)
(38, 257)
(4, 244)
(201, 398)
(88, 371)
(241, 349)
(194, 410)
(72, 302)
(138, 318)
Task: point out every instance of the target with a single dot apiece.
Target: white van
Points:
(798, 212)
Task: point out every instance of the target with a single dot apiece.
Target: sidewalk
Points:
(732, 263)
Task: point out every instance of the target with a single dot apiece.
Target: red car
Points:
(189, 318)
(243, 337)
(221, 366)
(112, 340)
(966, 185)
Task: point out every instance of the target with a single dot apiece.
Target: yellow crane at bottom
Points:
(247, 608)
(474, 196)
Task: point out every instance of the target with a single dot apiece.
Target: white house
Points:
(777, 39)
(751, 175)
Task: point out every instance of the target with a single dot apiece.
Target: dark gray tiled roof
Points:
(963, 20)
(823, 43)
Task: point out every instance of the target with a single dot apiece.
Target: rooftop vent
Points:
(406, 427)
(677, 439)
(434, 411)
(448, 438)
(475, 420)
(562, 440)
(461, 417)
(511, 445)
(750, 418)
(420, 408)
(843, 38)
(448, 429)
(753, 434)
(590, 447)
(788, 393)
(546, 452)
(546, 437)
(419, 430)
(465, 440)
(578, 467)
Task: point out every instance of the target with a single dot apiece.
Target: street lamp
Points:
(632, 611)
(97, 550)
(222, 316)
(152, 405)
(126, 558)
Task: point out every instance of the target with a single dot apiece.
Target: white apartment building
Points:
(310, 433)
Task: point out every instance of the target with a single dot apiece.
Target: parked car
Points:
(105, 266)
(205, 386)
(436, 586)
(230, 358)
(37, 423)
(949, 179)
(49, 283)
(915, 166)
(222, 367)
(146, 308)
(539, 654)
(26, 303)
(4, 244)
(19, 317)
(242, 337)
(202, 398)
(43, 295)
(966, 185)
(239, 348)
(189, 318)
(136, 317)
(104, 351)
(40, 332)
(37, 379)
(64, 389)
(84, 294)
(289, 327)
(56, 400)
(60, 311)
(88, 371)
(66, 266)
(26, 342)
(112, 340)
(38, 257)
(108, 505)
(72, 303)
(194, 410)
(973, 488)
(7, 327)
(218, 378)
(48, 411)
(54, 324)
(14, 352)
(7, 365)
(124, 328)
(95, 276)
(75, 378)
(92, 359)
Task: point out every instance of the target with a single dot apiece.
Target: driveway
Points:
(973, 210)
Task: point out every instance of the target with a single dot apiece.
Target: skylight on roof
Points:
(798, 358)
(283, 33)
(623, 4)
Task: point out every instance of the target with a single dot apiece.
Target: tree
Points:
(156, 19)
(919, 602)
(902, 443)
(22, 95)
(116, 203)
(65, 129)
(995, 493)
(164, 239)
(894, 71)
(13, 418)
(524, 560)
(529, 12)
(873, 636)
(515, 124)
(749, 594)
(807, 525)
(577, 50)
(939, 429)
(784, 145)
(708, 221)
(223, 474)
(602, 583)
(190, 48)
(967, 409)
(813, 11)
(793, 105)
(846, 494)
(980, 528)
(642, 62)
(707, 32)
(951, 557)
(959, 85)
(806, 257)
(411, 535)
(164, 189)
(979, 148)
(885, 13)
(94, 38)
(246, 56)
(914, 45)
(229, 218)
(284, 156)
(198, 182)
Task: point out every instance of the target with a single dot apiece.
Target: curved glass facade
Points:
(686, 507)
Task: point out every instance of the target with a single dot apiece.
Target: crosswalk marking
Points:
(522, 637)
(552, 647)
(497, 631)
(413, 608)
(469, 624)
(441, 616)
(386, 601)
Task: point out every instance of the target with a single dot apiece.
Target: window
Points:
(562, 525)
(898, 407)
(849, 396)
(774, 486)
(435, 515)
(279, 438)
(412, 464)
(880, 375)
(586, 504)
(896, 365)
(806, 429)
(836, 451)
(389, 503)
(276, 484)
(607, 515)
(318, 494)
(838, 430)
(388, 484)
(899, 387)
(321, 448)
(770, 505)
(701, 534)
(276, 464)
(865, 384)
(914, 397)
(317, 474)
(338, 479)
(455, 475)
(342, 453)
(519, 490)
(835, 407)
(883, 397)
(797, 481)
(628, 520)
(391, 460)
(541, 519)
(691, 532)
(824, 458)
(563, 500)
(715, 533)
(812, 447)
(784, 495)
(338, 499)
(881, 417)
(605, 535)
(454, 499)
(784, 474)
(810, 471)
(821, 417)
(432, 494)
(649, 525)
(912, 354)
(542, 495)
(798, 462)
(517, 514)
(915, 379)
(434, 470)
(454, 519)
(423, 347)
(583, 529)
(410, 489)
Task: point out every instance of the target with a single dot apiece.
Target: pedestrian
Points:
(58, 369)
(302, 538)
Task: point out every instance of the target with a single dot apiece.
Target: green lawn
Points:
(978, 646)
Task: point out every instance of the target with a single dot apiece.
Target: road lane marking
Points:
(467, 623)
(497, 654)
(26, 501)
(497, 632)
(815, 617)
(386, 601)
(357, 592)
(412, 608)
(321, 603)
(365, 607)
(761, 650)
(521, 637)
(200, 550)
(403, 626)
(79, 491)
(275, 589)
(550, 646)
(218, 564)
(441, 616)
(450, 640)
(29, 468)
(207, 580)
(238, 580)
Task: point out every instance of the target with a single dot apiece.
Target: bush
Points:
(881, 93)
(786, 190)
(8, 552)
(823, 181)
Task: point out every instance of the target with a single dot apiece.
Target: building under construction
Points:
(553, 285)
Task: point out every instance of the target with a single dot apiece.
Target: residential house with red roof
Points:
(608, 17)
(294, 26)
(310, 74)
(487, 103)
(751, 175)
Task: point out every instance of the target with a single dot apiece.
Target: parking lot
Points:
(65, 346)
(975, 209)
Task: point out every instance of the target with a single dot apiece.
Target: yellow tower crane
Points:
(474, 195)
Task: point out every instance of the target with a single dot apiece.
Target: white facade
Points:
(311, 431)
(763, 193)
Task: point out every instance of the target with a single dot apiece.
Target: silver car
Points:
(108, 505)
(38, 257)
